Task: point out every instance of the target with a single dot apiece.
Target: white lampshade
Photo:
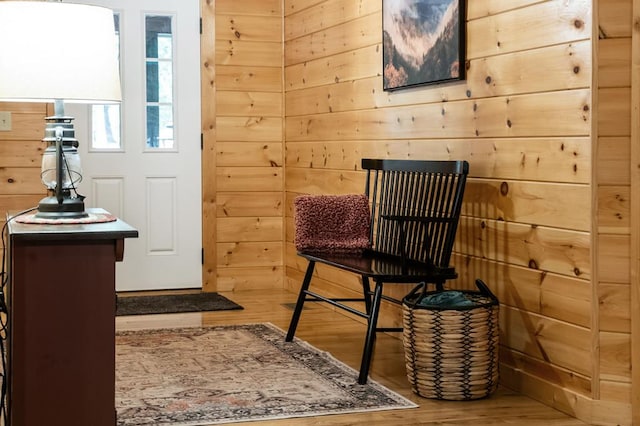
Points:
(52, 50)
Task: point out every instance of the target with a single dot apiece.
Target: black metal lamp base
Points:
(70, 208)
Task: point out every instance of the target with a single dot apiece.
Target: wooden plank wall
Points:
(523, 119)
(613, 220)
(208, 122)
(21, 151)
(249, 176)
(635, 210)
(21, 157)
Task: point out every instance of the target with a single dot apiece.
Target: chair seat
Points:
(380, 267)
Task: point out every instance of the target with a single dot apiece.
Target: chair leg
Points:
(366, 290)
(371, 334)
(301, 298)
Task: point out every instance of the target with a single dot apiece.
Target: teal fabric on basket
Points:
(447, 299)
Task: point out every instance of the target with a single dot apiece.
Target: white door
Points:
(141, 160)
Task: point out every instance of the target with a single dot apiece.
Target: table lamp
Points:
(58, 52)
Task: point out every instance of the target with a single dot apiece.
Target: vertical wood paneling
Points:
(208, 119)
(613, 160)
(615, 309)
(248, 152)
(614, 18)
(614, 196)
(615, 362)
(635, 210)
(614, 62)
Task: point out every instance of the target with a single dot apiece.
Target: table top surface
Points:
(81, 231)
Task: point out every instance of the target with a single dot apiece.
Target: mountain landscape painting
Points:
(422, 42)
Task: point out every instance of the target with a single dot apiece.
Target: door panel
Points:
(153, 180)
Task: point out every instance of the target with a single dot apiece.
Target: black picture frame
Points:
(423, 42)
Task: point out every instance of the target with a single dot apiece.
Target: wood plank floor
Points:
(343, 338)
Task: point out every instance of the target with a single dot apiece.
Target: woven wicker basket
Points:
(452, 353)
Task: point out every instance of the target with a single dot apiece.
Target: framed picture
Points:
(423, 42)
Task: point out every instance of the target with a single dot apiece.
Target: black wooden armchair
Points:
(415, 207)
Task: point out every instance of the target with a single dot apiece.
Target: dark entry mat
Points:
(173, 303)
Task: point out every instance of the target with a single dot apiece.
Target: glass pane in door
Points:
(159, 82)
(106, 128)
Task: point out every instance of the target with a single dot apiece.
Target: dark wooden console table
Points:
(61, 342)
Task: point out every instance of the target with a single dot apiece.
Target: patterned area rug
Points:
(173, 303)
(212, 375)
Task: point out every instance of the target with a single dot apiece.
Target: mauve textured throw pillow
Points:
(332, 223)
